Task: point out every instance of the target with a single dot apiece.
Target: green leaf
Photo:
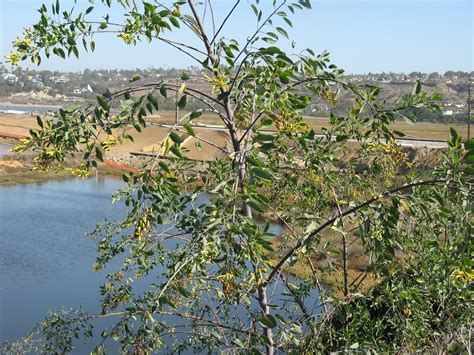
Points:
(183, 291)
(60, 52)
(103, 103)
(163, 91)
(98, 153)
(135, 78)
(271, 50)
(284, 79)
(262, 137)
(470, 158)
(237, 342)
(182, 102)
(39, 121)
(256, 206)
(99, 350)
(152, 99)
(194, 115)
(417, 88)
(469, 170)
(189, 129)
(164, 166)
(175, 150)
(469, 144)
(454, 134)
(262, 174)
(156, 19)
(176, 138)
(174, 21)
(71, 40)
(282, 32)
(268, 321)
(255, 161)
(185, 76)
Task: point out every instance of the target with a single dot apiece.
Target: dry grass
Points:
(330, 276)
(421, 130)
(28, 176)
(20, 125)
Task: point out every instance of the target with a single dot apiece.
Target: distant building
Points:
(87, 89)
(59, 79)
(36, 84)
(9, 78)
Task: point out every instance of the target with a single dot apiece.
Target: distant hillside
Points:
(47, 87)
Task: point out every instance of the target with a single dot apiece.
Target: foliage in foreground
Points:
(198, 263)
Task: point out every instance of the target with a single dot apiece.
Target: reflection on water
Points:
(45, 259)
(5, 150)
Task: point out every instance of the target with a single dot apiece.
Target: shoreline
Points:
(29, 104)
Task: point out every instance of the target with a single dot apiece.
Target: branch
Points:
(224, 22)
(343, 214)
(179, 46)
(208, 44)
(259, 29)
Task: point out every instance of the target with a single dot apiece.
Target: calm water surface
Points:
(45, 258)
(26, 109)
(5, 149)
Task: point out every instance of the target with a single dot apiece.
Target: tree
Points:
(215, 289)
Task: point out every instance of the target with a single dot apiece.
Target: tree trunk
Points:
(267, 332)
(262, 289)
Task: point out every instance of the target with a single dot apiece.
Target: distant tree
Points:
(449, 74)
(212, 265)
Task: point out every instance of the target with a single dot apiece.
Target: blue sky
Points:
(362, 35)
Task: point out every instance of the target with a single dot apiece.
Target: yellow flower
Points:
(14, 58)
(218, 81)
(463, 276)
(127, 38)
(22, 42)
(110, 142)
(80, 172)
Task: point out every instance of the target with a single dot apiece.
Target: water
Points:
(25, 109)
(5, 150)
(45, 258)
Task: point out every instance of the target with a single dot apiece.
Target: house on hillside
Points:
(9, 78)
(59, 79)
